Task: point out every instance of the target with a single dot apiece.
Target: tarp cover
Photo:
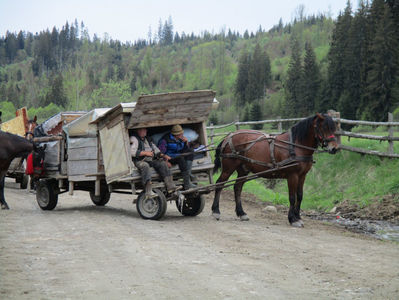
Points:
(15, 126)
(82, 126)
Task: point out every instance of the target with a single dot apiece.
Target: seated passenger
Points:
(176, 146)
(145, 155)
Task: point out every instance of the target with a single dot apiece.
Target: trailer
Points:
(93, 153)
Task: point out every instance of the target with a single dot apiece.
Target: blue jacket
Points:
(170, 146)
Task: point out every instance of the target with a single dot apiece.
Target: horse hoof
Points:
(244, 218)
(297, 224)
(4, 206)
(216, 216)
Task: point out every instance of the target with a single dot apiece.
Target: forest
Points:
(314, 63)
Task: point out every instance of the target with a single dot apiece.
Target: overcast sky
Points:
(130, 20)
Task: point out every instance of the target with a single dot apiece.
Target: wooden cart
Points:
(93, 153)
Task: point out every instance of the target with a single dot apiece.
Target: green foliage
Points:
(8, 110)
(43, 113)
(110, 94)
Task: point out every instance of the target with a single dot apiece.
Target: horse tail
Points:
(217, 162)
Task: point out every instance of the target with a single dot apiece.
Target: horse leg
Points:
(237, 195)
(292, 192)
(215, 206)
(299, 197)
(3, 202)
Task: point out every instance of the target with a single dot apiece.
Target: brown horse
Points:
(253, 151)
(13, 146)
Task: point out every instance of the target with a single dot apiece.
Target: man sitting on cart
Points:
(176, 146)
(146, 154)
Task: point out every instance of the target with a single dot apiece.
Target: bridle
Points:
(321, 139)
(31, 126)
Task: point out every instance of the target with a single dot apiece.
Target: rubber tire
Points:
(46, 196)
(24, 182)
(151, 209)
(101, 200)
(192, 206)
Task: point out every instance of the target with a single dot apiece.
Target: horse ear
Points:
(320, 116)
(35, 119)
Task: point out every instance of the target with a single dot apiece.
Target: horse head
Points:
(324, 129)
(31, 128)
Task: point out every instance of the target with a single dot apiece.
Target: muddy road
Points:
(79, 251)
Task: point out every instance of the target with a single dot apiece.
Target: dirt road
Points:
(79, 251)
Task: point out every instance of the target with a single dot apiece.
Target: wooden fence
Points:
(336, 117)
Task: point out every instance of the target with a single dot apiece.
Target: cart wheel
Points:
(191, 206)
(153, 208)
(46, 196)
(102, 199)
(24, 182)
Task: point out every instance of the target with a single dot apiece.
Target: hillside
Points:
(65, 69)
(315, 63)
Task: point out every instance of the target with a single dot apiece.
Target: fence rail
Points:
(336, 117)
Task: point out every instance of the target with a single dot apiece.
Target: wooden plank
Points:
(355, 122)
(45, 139)
(82, 142)
(157, 123)
(176, 96)
(115, 121)
(82, 153)
(366, 136)
(82, 167)
(151, 104)
(370, 152)
(76, 178)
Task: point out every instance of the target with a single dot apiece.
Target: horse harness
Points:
(272, 144)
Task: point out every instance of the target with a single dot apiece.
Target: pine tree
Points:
(337, 69)
(242, 79)
(56, 93)
(256, 115)
(311, 81)
(256, 76)
(293, 82)
(11, 46)
(356, 63)
(382, 92)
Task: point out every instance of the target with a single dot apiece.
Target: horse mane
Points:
(300, 131)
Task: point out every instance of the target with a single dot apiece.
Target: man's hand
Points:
(147, 153)
(184, 139)
(166, 157)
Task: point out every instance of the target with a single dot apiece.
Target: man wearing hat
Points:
(146, 154)
(173, 145)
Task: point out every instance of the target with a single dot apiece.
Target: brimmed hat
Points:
(176, 130)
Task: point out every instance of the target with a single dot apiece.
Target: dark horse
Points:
(12, 146)
(289, 153)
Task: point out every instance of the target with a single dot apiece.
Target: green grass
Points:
(345, 176)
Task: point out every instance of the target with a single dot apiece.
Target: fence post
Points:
(237, 125)
(211, 133)
(390, 133)
(336, 114)
(279, 125)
